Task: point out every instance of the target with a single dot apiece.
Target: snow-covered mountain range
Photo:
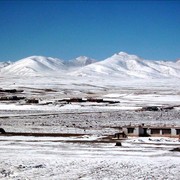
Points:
(125, 65)
(120, 64)
(34, 65)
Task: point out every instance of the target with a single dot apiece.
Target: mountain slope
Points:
(121, 65)
(4, 64)
(34, 65)
(125, 65)
(39, 65)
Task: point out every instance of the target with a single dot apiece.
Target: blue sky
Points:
(98, 29)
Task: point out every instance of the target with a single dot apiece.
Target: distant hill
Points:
(125, 65)
(119, 65)
(34, 65)
(80, 61)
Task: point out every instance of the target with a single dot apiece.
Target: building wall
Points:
(135, 131)
(165, 132)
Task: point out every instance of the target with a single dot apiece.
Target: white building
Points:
(142, 130)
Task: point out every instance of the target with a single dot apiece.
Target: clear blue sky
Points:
(98, 29)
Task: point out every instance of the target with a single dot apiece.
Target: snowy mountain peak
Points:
(123, 53)
(80, 61)
(125, 56)
(120, 64)
(84, 60)
(34, 65)
(126, 65)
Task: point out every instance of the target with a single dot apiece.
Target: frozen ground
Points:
(72, 158)
(98, 123)
(55, 158)
(132, 93)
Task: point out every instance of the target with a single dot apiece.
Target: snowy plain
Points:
(86, 156)
(45, 158)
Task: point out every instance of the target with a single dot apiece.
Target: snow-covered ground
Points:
(53, 159)
(132, 93)
(132, 81)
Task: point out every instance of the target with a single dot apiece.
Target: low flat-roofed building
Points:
(142, 130)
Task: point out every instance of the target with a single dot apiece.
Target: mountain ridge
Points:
(120, 64)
